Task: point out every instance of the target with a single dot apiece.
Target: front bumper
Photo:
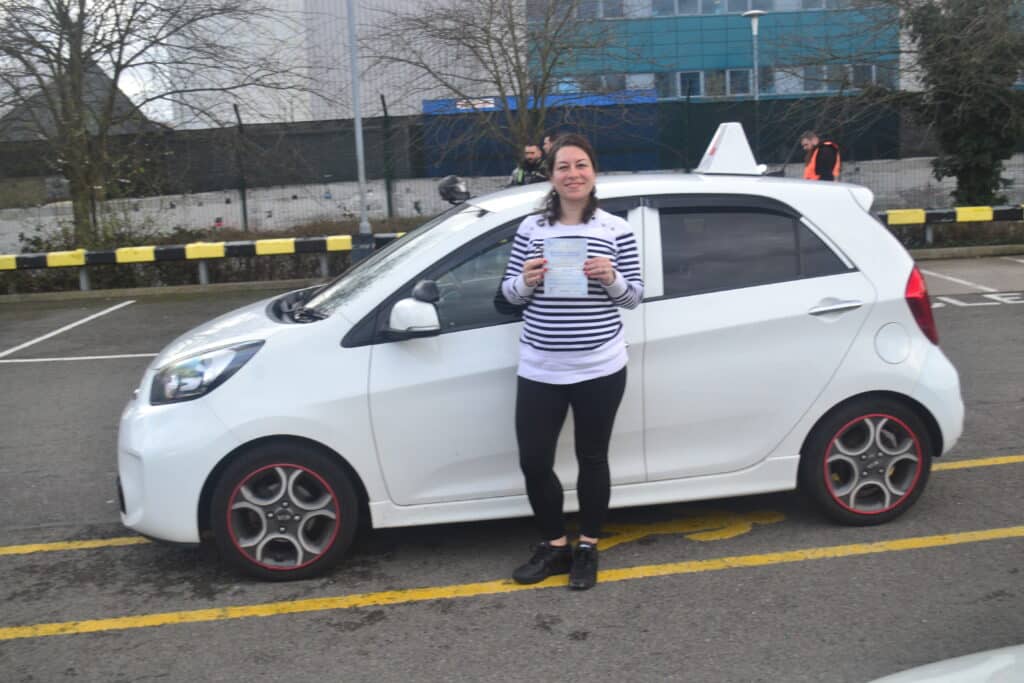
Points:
(164, 456)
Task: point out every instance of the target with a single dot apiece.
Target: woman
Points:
(572, 354)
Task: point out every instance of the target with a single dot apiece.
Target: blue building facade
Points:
(704, 48)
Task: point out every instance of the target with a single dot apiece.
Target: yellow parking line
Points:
(71, 545)
(416, 595)
(980, 462)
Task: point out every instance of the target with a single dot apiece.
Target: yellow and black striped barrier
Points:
(960, 214)
(196, 251)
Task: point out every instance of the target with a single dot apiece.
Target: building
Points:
(703, 49)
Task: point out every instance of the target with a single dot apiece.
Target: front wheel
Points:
(284, 511)
(867, 462)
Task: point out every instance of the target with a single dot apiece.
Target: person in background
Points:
(572, 354)
(822, 161)
(549, 139)
(530, 169)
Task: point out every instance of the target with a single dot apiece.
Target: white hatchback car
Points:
(785, 338)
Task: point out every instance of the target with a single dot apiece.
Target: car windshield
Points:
(393, 255)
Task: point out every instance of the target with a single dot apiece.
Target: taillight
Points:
(920, 306)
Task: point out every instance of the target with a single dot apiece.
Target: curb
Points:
(978, 251)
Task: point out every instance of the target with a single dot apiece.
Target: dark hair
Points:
(808, 134)
(552, 202)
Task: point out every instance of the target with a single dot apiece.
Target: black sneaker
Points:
(547, 560)
(584, 567)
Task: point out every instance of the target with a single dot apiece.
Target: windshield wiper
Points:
(308, 314)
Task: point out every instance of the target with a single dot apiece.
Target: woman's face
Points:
(572, 174)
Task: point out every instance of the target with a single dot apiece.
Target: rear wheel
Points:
(867, 462)
(284, 511)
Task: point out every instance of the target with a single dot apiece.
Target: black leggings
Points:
(540, 413)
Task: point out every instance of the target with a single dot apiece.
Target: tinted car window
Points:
(709, 250)
(816, 259)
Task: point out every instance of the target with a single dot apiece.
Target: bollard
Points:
(204, 273)
(324, 270)
(929, 234)
(83, 279)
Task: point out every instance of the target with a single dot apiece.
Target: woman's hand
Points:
(533, 271)
(599, 268)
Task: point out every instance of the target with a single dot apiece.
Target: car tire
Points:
(867, 461)
(284, 510)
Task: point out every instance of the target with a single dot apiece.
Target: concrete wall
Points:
(905, 183)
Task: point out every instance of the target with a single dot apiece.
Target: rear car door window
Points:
(708, 249)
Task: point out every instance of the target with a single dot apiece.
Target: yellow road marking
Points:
(71, 545)
(715, 526)
(415, 595)
(981, 462)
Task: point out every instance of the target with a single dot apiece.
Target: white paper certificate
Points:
(565, 257)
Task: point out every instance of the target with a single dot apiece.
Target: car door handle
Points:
(835, 307)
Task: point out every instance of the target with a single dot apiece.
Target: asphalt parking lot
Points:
(746, 589)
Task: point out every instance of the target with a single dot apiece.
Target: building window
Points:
(595, 9)
(836, 78)
(663, 8)
(690, 84)
(766, 79)
(863, 75)
(814, 78)
(714, 83)
(712, 6)
(739, 81)
(666, 8)
(665, 85)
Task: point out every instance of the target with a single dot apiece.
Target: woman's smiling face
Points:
(573, 174)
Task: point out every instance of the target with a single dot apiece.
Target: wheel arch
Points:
(206, 496)
(930, 423)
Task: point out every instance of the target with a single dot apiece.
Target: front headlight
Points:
(189, 378)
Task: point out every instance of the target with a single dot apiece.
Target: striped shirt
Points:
(569, 340)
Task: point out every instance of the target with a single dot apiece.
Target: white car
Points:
(785, 339)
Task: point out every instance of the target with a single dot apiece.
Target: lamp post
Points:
(754, 15)
(363, 244)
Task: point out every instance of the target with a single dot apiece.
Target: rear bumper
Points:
(938, 389)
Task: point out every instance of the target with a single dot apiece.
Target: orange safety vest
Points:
(809, 170)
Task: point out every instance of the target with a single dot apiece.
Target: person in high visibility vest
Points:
(823, 161)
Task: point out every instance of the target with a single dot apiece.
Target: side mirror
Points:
(412, 318)
(426, 291)
(453, 189)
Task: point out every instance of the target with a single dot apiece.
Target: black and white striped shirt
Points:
(568, 340)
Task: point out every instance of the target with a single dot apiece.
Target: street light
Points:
(754, 15)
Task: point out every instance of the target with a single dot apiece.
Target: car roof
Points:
(658, 183)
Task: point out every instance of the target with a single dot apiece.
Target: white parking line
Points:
(958, 281)
(72, 358)
(66, 328)
(1010, 258)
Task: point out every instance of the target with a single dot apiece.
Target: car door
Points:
(754, 313)
(442, 407)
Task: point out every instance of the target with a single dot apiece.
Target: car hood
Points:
(250, 323)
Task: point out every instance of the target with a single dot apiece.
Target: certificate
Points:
(565, 257)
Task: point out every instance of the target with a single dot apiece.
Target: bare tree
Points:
(63, 64)
(509, 60)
